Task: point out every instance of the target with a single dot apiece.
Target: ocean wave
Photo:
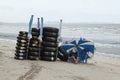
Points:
(8, 40)
(116, 45)
(108, 54)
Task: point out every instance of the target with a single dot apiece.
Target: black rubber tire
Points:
(49, 44)
(35, 30)
(33, 57)
(48, 58)
(34, 45)
(33, 49)
(34, 53)
(20, 58)
(50, 34)
(22, 38)
(23, 32)
(62, 57)
(20, 51)
(22, 41)
(21, 48)
(20, 54)
(62, 54)
(35, 34)
(22, 45)
(49, 39)
(34, 41)
(60, 49)
(49, 54)
(50, 29)
(50, 49)
(23, 35)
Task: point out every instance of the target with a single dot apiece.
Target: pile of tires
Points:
(21, 46)
(49, 44)
(34, 45)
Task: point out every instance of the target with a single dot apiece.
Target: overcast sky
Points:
(75, 11)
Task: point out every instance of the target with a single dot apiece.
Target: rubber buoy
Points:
(50, 34)
(50, 29)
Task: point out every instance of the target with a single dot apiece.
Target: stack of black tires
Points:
(34, 45)
(21, 45)
(49, 44)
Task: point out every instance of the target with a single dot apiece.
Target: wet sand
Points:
(98, 68)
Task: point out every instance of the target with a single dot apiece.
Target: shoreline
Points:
(98, 68)
(96, 53)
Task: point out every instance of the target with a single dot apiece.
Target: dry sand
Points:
(98, 68)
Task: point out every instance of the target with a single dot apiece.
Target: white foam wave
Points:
(8, 40)
(108, 55)
(107, 45)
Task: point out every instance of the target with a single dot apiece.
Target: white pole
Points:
(60, 26)
(41, 30)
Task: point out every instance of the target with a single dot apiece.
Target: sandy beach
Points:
(98, 68)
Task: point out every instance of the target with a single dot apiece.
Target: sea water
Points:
(106, 37)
